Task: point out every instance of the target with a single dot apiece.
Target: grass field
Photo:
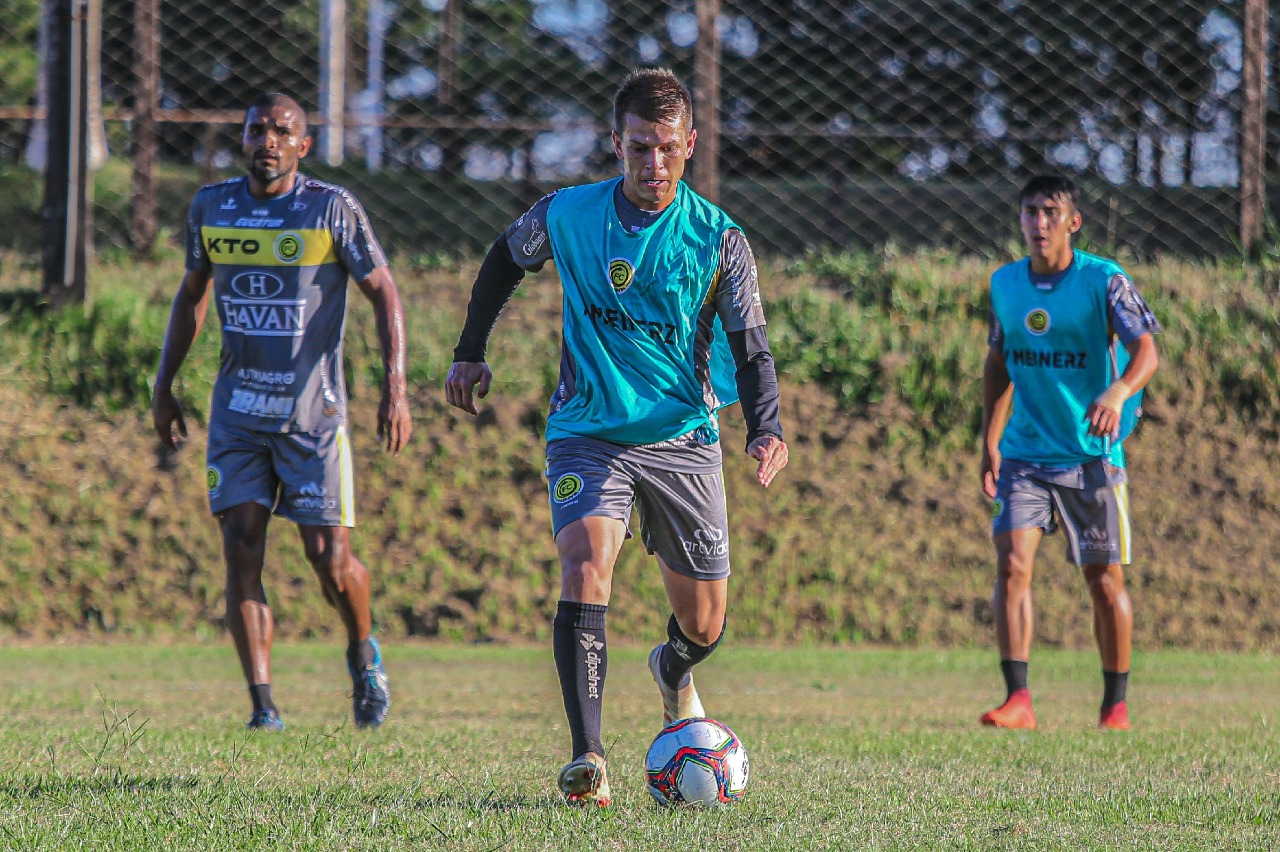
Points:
(142, 747)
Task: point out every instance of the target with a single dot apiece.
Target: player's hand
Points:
(990, 470)
(772, 453)
(460, 386)
(1103, 414)
(1103, 421)
(394, 424)
(165, 412)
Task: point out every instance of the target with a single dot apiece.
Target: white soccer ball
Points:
(697, 762)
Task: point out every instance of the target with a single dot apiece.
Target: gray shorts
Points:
(304, 477)
(1090, 503)
(678, 487)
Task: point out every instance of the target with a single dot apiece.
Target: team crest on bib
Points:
(621, 274)
(567, 487)
(213, 478)
(1037, 321)
(288, 247)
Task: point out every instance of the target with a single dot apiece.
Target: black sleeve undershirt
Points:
(757, 381)
(497, 280)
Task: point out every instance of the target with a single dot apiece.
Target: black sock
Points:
(260, 695)
(1015, 674)
(361, 655)
(1114, 687)
(681, 654)
(578, 643)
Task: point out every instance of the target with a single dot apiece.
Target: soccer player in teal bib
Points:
(662, 326)
(1071, 347)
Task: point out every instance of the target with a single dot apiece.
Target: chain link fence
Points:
(843, 123)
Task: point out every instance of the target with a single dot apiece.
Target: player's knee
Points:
(1013, 567)
(1105, 585)
(706, 635)
(705, 631)
(241, 543)
(585, 573)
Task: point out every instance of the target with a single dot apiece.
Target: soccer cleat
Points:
(1014, 713)
(265, 720)
(583, 781)
(1114, 718)
(682, 703)
(370, 691)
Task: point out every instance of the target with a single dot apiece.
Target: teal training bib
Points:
(631, 306)
(1060, 355)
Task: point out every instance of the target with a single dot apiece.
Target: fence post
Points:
(371, 106)
(333, 79)
(1253, 126)
(706, 101)
(447, 91)
(146, 72)
(66, 182)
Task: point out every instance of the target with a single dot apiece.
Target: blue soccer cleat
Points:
(265, 720)
(370, 691)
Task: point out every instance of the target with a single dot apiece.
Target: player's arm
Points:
(186, 318)
(469, 376)
(1130, 319)
(757, 380)
(1104, 412)
(997, 399)
(525, 246)
(394, 423)
(737, 300)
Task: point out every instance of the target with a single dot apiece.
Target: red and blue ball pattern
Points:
(696, 762)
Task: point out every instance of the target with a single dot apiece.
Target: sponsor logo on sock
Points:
(592, 645)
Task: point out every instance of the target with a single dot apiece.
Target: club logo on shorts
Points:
(567, 487)
(621, 274)
(288, 247)
(997, 508)
(213, 478)
(1037, 321)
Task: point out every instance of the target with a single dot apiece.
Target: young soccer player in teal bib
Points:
(1071, 347)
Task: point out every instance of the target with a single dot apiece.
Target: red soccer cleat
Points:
(1114, 718)
(1014, 713)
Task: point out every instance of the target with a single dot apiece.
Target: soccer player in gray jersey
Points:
(648, 269)
(276, 250)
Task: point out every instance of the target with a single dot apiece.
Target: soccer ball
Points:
(697, 762)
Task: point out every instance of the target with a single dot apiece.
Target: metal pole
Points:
(446, 94)
(1253, 126)
(146, 72)
(333, 78)
(706, 101)
(65, 211)
(375, 88)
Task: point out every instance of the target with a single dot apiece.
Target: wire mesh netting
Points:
(846, 124)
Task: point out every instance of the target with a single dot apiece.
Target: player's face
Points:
(275, 139)
(653, 159)
(1047, 225)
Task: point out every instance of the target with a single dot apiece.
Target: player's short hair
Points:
(270, 100)
(1060, 187)
(653, 94)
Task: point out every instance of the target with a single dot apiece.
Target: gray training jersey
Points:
(280, 279)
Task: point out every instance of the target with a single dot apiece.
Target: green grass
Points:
(133, 747)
